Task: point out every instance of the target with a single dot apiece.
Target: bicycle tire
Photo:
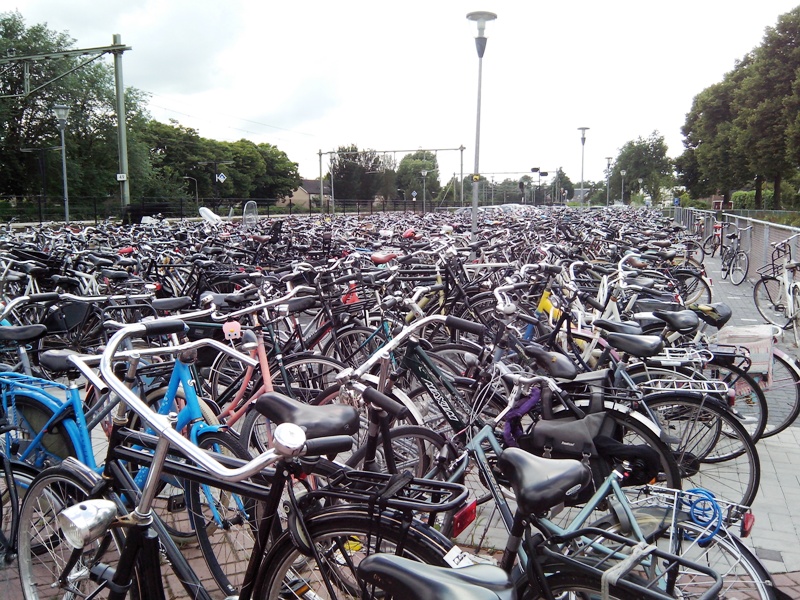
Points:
(43, 553)
(739, 268)
(574, 585)
(354, 345)
(782, 391)
(227, 538)
(22, 474)
(343, 535)
(713, 449)
(743, 574)
(710, 245)
(749, 401)
(770, 302)
(693, 287)
(414, 448)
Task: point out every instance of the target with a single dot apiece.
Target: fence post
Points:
(766, 244)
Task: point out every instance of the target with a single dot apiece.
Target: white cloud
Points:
(315, 75)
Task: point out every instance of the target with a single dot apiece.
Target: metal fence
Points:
(758, 241)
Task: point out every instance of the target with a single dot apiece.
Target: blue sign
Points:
(676, 201)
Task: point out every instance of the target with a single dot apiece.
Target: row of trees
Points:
(166, 160)
(743, 133)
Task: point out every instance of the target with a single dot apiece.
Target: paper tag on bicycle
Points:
(457, 558)
(232, 330)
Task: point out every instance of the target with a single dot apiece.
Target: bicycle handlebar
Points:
(294, 440)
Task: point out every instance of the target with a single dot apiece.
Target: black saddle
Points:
(640, 346)
(541, 483)
(617, 327)
(716, 314)
(57, 361)
(405, 578)
(21, 333)
(556, 364)
(682, 321)
(171, 303)
(317, 421)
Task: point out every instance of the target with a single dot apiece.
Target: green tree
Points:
(409, 175)
(646, 159)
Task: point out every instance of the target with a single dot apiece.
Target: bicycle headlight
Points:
(87, 521)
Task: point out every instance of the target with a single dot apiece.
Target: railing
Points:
(756, 241)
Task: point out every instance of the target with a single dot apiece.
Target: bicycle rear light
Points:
(465, 517)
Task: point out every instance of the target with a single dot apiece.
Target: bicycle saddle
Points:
(21, 333)
(176, 303)
(640, 346)
(555, 363)
(57, 360)
(682, 321)
(405, 578)
(317, 421)
(618, 327)
(716, 314)
(541, 483)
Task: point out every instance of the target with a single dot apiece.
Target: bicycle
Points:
(776, 294)
(735, 261)
(713, 242)
(377, 515)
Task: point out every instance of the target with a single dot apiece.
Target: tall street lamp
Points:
(61, 112)
(481, 17)
(533, 191)
(583, 143)
(608, 180)
(622, 172)
(424, 181)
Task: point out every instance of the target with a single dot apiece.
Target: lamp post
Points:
(480, 17)
(424, 181)
(196, 194)
(608, 180)
(622, 172)
(61, 112)
(640, 189)
(583, 144)
(533, 192)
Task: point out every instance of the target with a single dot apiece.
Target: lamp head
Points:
(481, 16)
(623, 172)
(61, 112)
(424, 173)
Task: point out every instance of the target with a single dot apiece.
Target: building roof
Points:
(312, 187)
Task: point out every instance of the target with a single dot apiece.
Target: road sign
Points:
(414, 193)
(221, 177)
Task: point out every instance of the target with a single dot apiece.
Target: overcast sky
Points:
(314, 75)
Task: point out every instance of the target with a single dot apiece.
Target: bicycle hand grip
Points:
(164, 327)
(405, 259)
(466, 326)
(45, 297)
(587, 299)
(383, 402)
(328, 445)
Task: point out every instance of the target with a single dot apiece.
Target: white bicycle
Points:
(777, 293)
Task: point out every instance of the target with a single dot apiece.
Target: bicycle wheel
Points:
(743, 574)
(22, 474)
(711, 245)
(305, 375)
(713, 450)
(414, 449)
(782, 391)
(740, 265)
(578, 586)
(43, 553)
(725, 262)
(224, 522)
(342, 536)
(354, 345)
(769, 297)
(745, 397)
(693, 288)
